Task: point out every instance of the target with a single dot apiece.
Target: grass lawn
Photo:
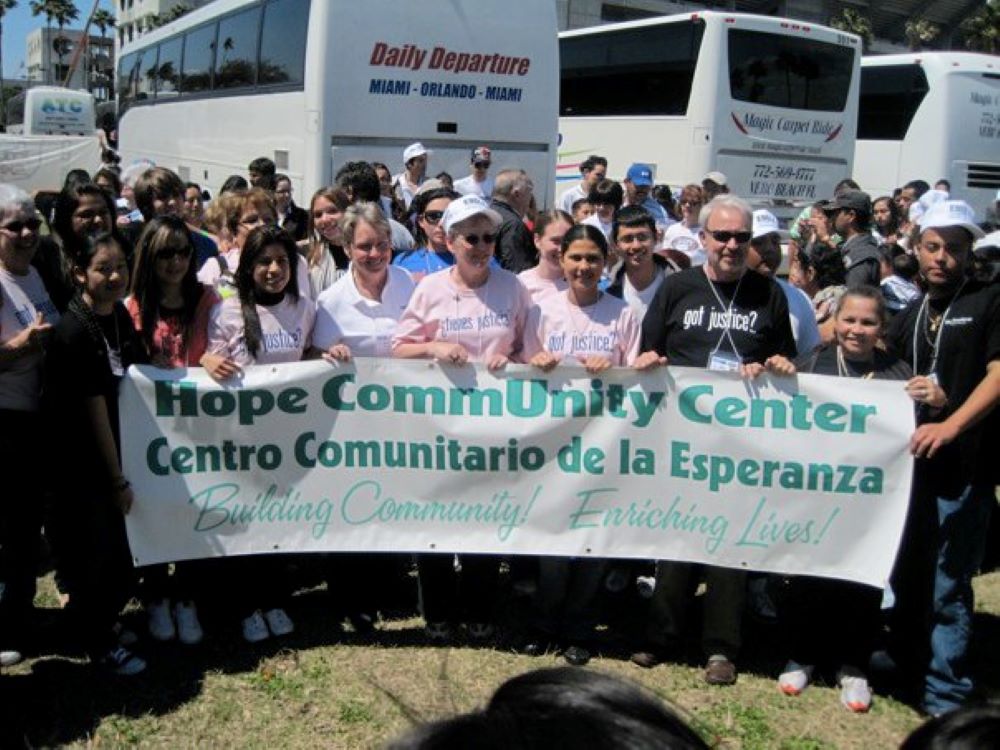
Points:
(324, 687)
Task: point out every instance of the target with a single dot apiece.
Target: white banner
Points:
(808, 475)
(40, 162)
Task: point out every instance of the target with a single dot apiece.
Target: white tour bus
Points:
(51, 110)
(769, 102)
(928, 116)
(313, 84)
(49, 131)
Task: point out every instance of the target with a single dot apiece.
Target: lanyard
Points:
(729, 313)
(844, 372)
(923, 313)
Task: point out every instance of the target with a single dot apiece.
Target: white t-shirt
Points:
(22, 298)
(344, 316)
(608, 328)
(595, 221)
(486, 321)
(681, 237)
(540, 287)
(570, 197)
(469, 186)
(286, 331)
(403, 189)
(638, 301)
(803, 320)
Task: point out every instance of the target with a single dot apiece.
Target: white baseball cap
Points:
(717, 177)
(951, 214)
(466, 207)
(764, 222)
(931, 197)
(413, 151)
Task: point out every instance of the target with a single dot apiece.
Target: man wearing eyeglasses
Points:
(479, 182)
(851, 215)
(724, 317)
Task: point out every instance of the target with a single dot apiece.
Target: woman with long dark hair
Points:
(268, 321)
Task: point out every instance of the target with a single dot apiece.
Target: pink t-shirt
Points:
(168, 338)
(607, 328)
(286, 331)
(485, 321)
(540, 287)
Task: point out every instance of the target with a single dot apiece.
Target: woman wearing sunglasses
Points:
(472, 312)
(170, 310)
(432, 253)
(26, 316)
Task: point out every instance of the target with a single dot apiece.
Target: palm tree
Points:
(45, 8)
(65, 13)
(104, 19)
(5, 5)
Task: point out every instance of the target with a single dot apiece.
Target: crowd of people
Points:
(138, 267)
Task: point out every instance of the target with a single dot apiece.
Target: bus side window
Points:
(236, 56)
(126, 81)
(196, 73)
(283, 42)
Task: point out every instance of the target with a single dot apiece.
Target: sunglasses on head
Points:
(722, 236)
(16, 227)
(475, 239)
(433, 216)
(169, 253)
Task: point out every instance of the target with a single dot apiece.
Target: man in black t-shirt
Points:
(850, 213)
(952, 341)
(724, 317)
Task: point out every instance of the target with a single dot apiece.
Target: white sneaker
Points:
(8, 658)
(189, 630)
(123, 662)
(795, 678)
(255, 629)
(279, 622)
(161, 624)
(855, 694)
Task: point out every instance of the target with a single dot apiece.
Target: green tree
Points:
(981, 31)
(45, 8)
(65, 13)
(155, 20)
(920, 32)
(854, 22)
(104, 19)
(5, 5)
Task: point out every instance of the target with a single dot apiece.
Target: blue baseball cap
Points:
(640, 175)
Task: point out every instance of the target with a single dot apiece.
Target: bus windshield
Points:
(789, 72)
(640, 71)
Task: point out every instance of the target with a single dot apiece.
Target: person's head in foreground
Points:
(565, 707)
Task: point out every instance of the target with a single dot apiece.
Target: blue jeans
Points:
(962, 522)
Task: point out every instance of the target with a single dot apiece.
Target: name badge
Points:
(115, 360)
(723, 362)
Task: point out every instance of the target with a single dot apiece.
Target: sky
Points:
(19, 22)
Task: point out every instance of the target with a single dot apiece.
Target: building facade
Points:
(136, 17)
(49, 54)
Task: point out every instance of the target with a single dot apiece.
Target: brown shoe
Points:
(647, 659)
(720, 671)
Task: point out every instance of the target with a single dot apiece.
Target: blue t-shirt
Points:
(422, 261)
